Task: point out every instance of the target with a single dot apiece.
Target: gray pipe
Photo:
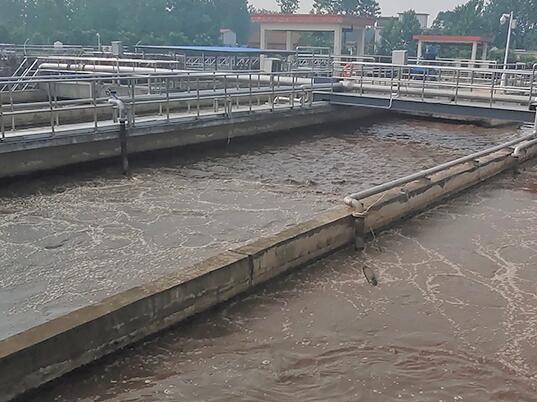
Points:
(352, 200)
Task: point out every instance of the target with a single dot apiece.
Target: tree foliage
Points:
(398, 34)
(480, 17)
(288, 6)
(347, 7)
(150, 21)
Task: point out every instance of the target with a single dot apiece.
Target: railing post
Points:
(51, 107)
(197, 98)
(424, 79)
(399, 81)
(492, 88)
(94, 102)
(2, 125)
(311, 93)
(272, 92)
(532, 84)
(293, 90)
(250, 91)
(361, 79)
(12, 107)
(167, 99)
(133, 106)
(457, 85)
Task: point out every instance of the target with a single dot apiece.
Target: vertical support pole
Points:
(420, 50)
(94, 102)
(293, 78)
(492, 88)
(532, 85)
(258, 87)
(361, 79)
(359, 232)
(472, 81)
(250, 92)
(311, 90)
(289, 40)
(338, 40)
(457, 85)
(263, 38)
(124, 146)
(56, 104)
(2, 125)
(474, 54)
(12, 107)
(485, 51)
(424, 79)
(51, 108)
(133, 100)
(272, 92)
(167, 99)
(197, 98)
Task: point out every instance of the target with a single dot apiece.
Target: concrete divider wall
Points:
(46, 352)
(23, 157)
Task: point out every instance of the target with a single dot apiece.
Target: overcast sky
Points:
(389, 7)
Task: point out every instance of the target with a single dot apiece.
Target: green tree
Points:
(466, 19)
(152, 21)
(398, 34)
(288, 6)
(347, 7)
(525, 12)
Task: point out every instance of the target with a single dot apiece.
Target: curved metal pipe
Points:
(522, 147)
(121, 107)
(352, 200)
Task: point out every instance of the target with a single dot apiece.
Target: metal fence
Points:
(164, 97)
(485, 85)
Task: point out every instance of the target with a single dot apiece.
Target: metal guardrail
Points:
(521, 143)
(490, 86)
(227, 92)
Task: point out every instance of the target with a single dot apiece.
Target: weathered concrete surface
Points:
(17, 158)
(80, 337)
(66, 343)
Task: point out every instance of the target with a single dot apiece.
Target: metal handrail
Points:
(353, 200)
(185, 89)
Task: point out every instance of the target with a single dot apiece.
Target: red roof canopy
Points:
(312, 19)
(451, 38)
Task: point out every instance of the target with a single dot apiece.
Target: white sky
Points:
(389, 7)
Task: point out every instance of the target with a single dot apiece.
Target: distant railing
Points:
(485, 85)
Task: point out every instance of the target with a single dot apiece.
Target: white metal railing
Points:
(168, 96)
(516, 146)
(485, 85)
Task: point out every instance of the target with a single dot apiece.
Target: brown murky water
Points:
(74, 238)
(450, 304)
(454, 318)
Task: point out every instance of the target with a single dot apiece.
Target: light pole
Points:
(512, 25)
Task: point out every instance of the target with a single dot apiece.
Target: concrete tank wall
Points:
(21, 157)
